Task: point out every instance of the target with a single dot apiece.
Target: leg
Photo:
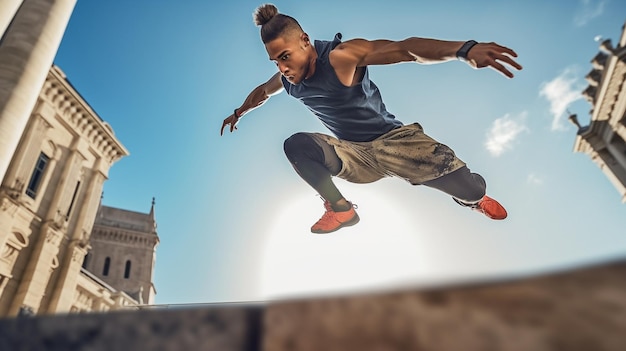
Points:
(316, 162)
(461, 184)
(468, 189)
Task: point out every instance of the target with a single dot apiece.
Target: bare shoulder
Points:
(360, 51)
(350, 52)
(354, 47)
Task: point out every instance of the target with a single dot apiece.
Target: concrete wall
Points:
(219, 328)
(583, 309)
(580, 310)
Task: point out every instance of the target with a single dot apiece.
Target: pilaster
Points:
(63, 294)
(65, 286)
(54, 211)
(43, 261)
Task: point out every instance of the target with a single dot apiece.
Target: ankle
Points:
(341, 206)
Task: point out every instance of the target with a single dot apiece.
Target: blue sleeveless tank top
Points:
(354, 113)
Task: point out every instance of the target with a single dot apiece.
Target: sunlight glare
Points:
(380, 250)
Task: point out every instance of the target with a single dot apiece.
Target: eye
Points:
(285, 57)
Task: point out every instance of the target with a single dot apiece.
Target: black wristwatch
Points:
(467, 46)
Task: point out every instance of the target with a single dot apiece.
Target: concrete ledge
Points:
(583, 309)
(217, 327)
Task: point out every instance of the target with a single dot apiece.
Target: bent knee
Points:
(295, 142)
(302, 146)
(475, 189)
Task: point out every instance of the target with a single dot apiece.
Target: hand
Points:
(231, 120)
(490, 55)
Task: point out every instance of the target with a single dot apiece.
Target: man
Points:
(332, 80)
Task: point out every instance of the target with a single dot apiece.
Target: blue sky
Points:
(234, 218)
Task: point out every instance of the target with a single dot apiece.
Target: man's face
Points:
(292, 56)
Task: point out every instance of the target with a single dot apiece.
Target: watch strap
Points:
(467, 46)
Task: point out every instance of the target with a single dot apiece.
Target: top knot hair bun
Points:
(264, 14)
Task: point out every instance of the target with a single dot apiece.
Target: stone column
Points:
(27, 52)
(38, 271)
(88, 208)
(8, 8)
(63, 294)
(37, 274)
(61, 191)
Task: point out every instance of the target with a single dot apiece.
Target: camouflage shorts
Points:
(404, 152)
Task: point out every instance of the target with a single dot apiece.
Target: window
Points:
(35, 178)
(86, 260)
(127, 270)
(69, 210)
(107, 264)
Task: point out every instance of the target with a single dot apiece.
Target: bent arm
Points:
(257, 97)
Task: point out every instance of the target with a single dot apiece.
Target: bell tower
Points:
(123, 251)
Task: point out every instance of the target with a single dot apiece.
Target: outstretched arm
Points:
(256, 98)
(360, 52)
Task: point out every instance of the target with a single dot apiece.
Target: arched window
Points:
(107, 264)
(127, 270)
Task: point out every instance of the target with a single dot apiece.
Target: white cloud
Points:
(588, 10)
(534, 179)
(503, 133)
(560, 92)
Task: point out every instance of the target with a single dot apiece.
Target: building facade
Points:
(124, 251)
(604, 138)
(48, 201)
(55, 154)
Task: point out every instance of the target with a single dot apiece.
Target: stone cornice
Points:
(611, 69)
(125, 236)
(79, 115)
(609, 90)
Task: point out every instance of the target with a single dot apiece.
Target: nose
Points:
(282, 68)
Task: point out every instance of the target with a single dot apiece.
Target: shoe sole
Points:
(497, 218)
(349, 223)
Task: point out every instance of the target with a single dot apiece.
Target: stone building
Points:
(604, 138)
(123, 251)
(49, 199)
(55, 154)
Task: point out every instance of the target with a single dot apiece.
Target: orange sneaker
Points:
(490, 208)
(332, 220)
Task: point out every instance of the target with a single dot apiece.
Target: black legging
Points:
(316, 162)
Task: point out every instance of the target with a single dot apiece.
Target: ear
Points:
(305, 38)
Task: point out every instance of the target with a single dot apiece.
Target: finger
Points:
(508, 51)
(497, 66)
(510, 61)
(232, 127)
(222, 130)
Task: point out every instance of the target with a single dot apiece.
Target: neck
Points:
(312, 63)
